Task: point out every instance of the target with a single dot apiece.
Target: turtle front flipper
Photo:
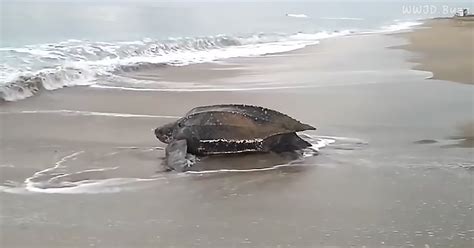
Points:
(176, 155)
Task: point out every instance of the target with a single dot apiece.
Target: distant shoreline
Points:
(445, 48)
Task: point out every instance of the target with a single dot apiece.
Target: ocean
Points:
(47, 45)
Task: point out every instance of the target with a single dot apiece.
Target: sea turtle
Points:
(229, 129)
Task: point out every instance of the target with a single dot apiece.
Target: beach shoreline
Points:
(189, 53)
(399, 172)
(444, 47)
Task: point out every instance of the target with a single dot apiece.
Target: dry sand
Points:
(446, 48)
(397, 175)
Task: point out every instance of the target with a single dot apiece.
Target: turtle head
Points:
(165, 132)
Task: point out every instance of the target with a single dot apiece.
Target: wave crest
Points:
(30, 69)
(29, 84)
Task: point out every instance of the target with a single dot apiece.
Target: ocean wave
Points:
(28, 70)
(28, 84)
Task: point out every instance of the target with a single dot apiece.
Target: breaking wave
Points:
(25, 71)
(33, 68)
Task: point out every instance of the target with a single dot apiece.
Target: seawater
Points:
(47, 45)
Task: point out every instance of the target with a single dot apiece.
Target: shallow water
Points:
(108, 169)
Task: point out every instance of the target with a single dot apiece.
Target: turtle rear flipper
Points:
(176, 155)
(285, 143)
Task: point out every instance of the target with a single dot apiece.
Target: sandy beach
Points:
(445, 47)
(80, 167)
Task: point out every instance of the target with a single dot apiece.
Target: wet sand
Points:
(98, 181)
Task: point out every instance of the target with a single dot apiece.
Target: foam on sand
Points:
(64, 178)
(55, 180)
(110, 185)
(158, 87)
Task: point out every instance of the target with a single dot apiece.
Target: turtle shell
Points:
(233, 128)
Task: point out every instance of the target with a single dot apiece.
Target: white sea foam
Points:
(400, 26)
(322, 142)
(89, 113)
(344, 139)
(225, 88)
(61, 176)
(25, 71)
(110, 185)
(202, 89)
(241, 170)
(297, 15)
(73, 62)
(56, 179)
(31, 182)
(6, 166)
(50, 181)
(321, 35)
